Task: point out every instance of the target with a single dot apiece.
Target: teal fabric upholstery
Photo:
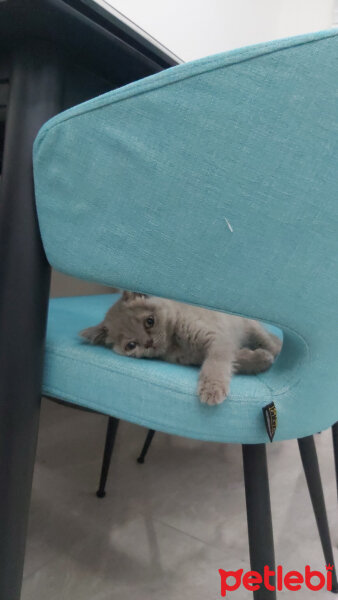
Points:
(152, 393)
(215, 183)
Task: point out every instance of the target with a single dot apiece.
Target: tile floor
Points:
(164, 528)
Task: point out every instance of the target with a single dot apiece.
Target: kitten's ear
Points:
(128, 296)
(96, 334)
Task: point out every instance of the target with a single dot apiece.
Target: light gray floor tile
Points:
(164, 528)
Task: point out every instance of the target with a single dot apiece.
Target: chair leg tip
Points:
(100, 493)
(140, 460)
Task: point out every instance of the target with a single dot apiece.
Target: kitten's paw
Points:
(263, 360)
(212, 392)
(252, 362)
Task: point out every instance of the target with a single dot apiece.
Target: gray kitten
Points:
(146, 326)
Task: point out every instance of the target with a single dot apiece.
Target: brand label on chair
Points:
(270, 417)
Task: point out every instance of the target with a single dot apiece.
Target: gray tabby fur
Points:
(220, 343)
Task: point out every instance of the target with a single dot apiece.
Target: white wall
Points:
(195, 28)
(335, 14)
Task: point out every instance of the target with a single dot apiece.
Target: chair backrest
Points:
(214, 182)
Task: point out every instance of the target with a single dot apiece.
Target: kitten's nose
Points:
(149, 344)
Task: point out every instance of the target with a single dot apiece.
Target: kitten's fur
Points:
(188, 335)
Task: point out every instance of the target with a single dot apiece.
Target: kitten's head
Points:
(136, 325)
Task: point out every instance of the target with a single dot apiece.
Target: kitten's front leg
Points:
(214, 379)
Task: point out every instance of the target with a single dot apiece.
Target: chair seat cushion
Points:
(151, 393)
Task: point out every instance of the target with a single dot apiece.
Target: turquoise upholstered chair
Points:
(214, 183)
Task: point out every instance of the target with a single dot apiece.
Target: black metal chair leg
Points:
(146, 445)
(309, 458)
(35, 95)
(259, 517)
(108, 450)
(335, 449)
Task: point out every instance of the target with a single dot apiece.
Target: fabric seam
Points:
(172, 79)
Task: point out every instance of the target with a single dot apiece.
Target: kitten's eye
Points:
(130, 346)
(149, 322)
